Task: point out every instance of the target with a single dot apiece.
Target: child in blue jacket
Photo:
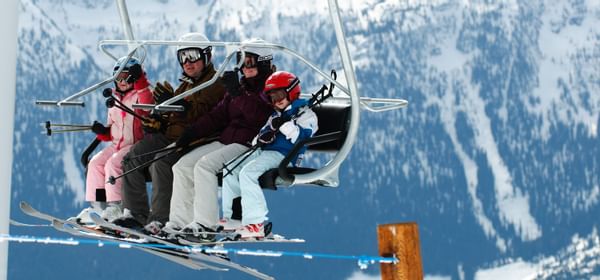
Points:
(276, 138)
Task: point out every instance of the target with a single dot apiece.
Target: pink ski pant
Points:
(104, 164)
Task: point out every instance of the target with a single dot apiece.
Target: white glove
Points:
(290, 130)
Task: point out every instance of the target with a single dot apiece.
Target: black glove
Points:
(110, 102)
(187, 137)
(267, 137)
(135, 72)
(162, 92)
(100, 129)
(153, 124)
(107, 92)
(232, 83)
(276, 122)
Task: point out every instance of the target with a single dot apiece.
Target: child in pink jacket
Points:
(122, 130)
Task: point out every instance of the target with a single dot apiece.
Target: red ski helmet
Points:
(286, 81)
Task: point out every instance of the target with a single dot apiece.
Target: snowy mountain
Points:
(496, 157)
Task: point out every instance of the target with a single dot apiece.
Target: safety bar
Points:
(283, 174)
(67, 101)
(228, 45)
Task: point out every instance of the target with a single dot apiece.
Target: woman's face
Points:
(250, 67)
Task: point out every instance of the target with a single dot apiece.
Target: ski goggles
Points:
(122, 76)
(277, 95)
(250, 61)
(190, 55)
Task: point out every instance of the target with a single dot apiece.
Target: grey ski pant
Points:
(195, 187)
(135, 196)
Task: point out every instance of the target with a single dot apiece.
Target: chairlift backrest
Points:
(331, 118)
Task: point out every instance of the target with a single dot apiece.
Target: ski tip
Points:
(25, 206)
(96, 218)
(57, 222)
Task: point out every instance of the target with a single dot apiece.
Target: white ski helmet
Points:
(205, 53)
(263, 56)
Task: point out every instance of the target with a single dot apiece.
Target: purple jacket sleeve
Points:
(214, 121)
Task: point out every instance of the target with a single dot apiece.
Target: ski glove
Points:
(153, 124)
(135, 72)
(276, 122)
(267, 137)
(232, 83)
(187, 137)
(100, 129)
(290, 130)
(163, 92)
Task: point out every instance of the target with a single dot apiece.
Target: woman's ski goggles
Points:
(190, 55)
(277, 95)
(249, 60)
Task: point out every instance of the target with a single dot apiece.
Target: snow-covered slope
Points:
(496, 156)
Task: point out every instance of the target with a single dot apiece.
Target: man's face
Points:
(193, 69)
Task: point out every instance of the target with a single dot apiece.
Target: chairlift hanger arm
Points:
(69, 100)
(55, 103)
(168, 104)
(238, 45)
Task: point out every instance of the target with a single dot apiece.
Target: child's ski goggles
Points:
(277, 95)
(122, 76)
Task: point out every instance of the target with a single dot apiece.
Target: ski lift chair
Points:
(333, 122)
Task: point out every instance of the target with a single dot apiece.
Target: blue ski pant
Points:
(243, 181)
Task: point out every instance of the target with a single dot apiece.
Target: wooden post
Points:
(402, 241)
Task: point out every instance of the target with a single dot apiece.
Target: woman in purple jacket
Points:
(237, 118)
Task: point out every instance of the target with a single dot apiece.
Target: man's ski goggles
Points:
(277, 95)
(190, 55)
(122, 76)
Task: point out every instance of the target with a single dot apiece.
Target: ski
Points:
(172, 255)
(227, 240)
(60, 224)
(19, 224)
(194, 253)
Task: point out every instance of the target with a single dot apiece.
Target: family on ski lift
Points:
(218, 126)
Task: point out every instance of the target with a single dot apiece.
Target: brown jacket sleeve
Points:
(200, 103)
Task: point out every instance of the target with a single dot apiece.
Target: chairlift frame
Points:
(326, 175)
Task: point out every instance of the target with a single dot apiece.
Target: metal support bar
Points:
(228, 45)
(125, 20)
(55, 103)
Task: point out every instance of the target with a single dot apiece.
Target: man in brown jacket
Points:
(163, 130)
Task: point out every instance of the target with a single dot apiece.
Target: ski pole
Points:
(246, 155)
(48, 124)
(110, 102)
(172, 151)
(49, 131)
(315, 100)
(151, 153)
(112, 179)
